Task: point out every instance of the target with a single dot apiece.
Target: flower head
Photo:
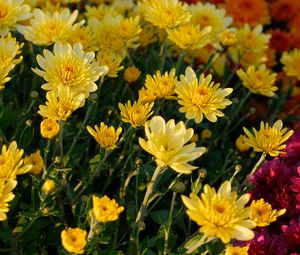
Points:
(221, 214)
(235, 250)
(146, 95)
(36, 161)
(106, 209)
(291, 63)
(49, 186)
(291, 235)
(6, 195)
(267, 139)
(112, 61)
(131, 74)
(167, 143)
(283, 10)
(228, 38)
(241, 145)
(201, 97)
(74, 240)
(49, 128)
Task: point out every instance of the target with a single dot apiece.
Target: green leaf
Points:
(161, 217)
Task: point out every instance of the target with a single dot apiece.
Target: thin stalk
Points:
(259, 162)
(61, 143)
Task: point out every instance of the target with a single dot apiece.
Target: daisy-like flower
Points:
(201, 97)
(74, 240)
(227, 38)
(6, 195)
(267, 139)
(137, 113)
(235, 250)
(283, 10)
(162, 86)
(106, 209)
(107, 137)
(146, 95)
(49, 128)
(131, 74)
(165, 13)
(12, 12)
(71, 67)
(47, 28)
(36, 161)
(291, 63)
(221, 214)
(167, 143)
(61, 104)
(112, 61)
(263, 214)
(194, 37)
(259, 80)
(99, 12)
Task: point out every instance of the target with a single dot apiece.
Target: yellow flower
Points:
(241, 144)
(36, 161)
(162, 86)
(167, 143)
(164, 13)
(61, 104)
(291, 63)
(235, 250)
(269, 140)
(228, 38)
(201, 97)
(146, 95)
(6, 195)
(47, 28)
(206, 134)
(99, 12)
(71, 67)
(49, 128)
(74, 240)
(111, 61)
(49, 186)
(11, 162)
(262, 213)
(136, 114)
(259, 80)
(12, 12)
(147, 35)
(221, 214)
(123, 7)
(131, 74)
(106, 209)
(107, 137)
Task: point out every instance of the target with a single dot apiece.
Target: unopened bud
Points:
(34, 94)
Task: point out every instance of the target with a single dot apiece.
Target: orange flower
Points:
(283, 10)
(280, 41)
(253, 12)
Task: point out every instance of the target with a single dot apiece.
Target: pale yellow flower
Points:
(291, 63)
(74, 240)
(112, 61)
(221, 214)
(36, 161)
(6, 195)
(49, 128)
(167, 143)
(235, 250)
(131, 74)
(99, 12)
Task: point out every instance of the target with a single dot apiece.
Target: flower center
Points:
(3, 12)
(200, 97)
(68, 73)
(64, 109)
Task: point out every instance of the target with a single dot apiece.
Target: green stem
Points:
(259, 162)
(202, 241)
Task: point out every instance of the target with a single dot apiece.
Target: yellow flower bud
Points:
(48, 186)
(74, 240)
(241, 145)
(36, 161)
(49, 128)
(206, 134)
(131, 74)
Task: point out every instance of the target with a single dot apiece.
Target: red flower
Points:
(291, 236)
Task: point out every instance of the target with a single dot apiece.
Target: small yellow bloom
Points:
(235, 250)
(131, 74)
(206, 134)
(111, 61)
(146, 95)
(74, 240)
(241, 144)
(228, 38)
(136, 114)
(36, 161)
(269, 140)
(291, 63)
(49, 128)
(106, 209)
(49, 186)
(263, 214)
(6, 195)
(107, 137)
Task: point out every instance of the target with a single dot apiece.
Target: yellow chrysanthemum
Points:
(136, 114)
(49, 186)
(49, 128)
(221, 214)
(190, 37)
(263, 214)
(71, 67)
(124, 7)
(227, 38)
(146, 95)
(147, 35)
(106, 209)
(12, 12)
(201, 97)
(259, 80)
(11, 162)
(291, 63)
(112, 61)
(131, 74)
(74, 240)
(165, 13)
(36, 161)
(99, 12)
(47, 28)
(162, 86)
(6, 195)
(167, 143)
(241, 144)
(107, 137)
(267, 139)
(235, 250)
(61, 104)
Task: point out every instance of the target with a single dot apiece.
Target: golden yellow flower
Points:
(49, 186)
(61, 104)
(147, 35)
(74, 240)
(162, 86)
(241, 144)
(267, 139)
(235, 250)
(131, 74)
(167, 143)
(146, 96)
(201, 97)
(106, 209)
(259, 80)
(49, 128)
(164, 13)
(71, 67)
(107, 137)
(228, 38)
(263, 214)
(291, 63)
(137, 113)
(111, 61)
(221, 214)
(12, 12)
(6, 195)
(36, 161)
